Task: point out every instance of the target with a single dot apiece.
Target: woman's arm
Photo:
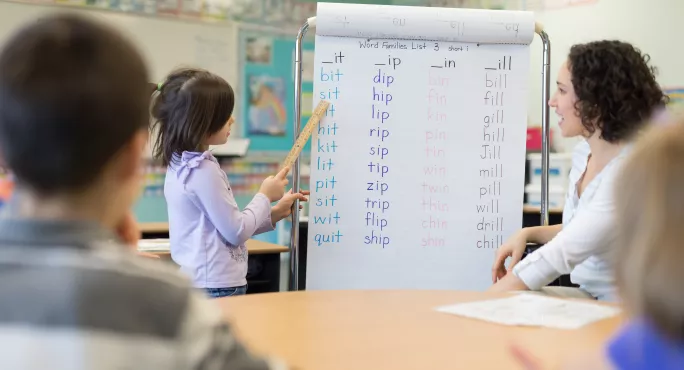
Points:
(514, 248)
(589, 233)
(542, 234)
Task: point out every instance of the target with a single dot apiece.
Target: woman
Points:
(606, 90)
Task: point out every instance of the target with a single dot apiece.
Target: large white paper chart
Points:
(417, 169)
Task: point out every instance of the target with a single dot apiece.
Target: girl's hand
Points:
(274, 186)
(514, 247)
(284, 207)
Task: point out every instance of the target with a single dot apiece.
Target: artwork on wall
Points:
(266, 105)
(258, 50)
(267, 88)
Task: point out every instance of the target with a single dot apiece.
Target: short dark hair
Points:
(616, 89)
(73, 92)
(191, 105)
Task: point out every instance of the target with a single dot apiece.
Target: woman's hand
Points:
(514, 247)
(283, 208)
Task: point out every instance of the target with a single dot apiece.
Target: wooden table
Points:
(264, 254)
(254, 247)
(154, 227)
(343, 330)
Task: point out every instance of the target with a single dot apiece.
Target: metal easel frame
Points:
(546, 88)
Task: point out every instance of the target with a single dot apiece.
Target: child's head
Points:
(74, 113)
(192, 110)
(650, 246)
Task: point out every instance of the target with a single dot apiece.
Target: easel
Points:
(546, 86)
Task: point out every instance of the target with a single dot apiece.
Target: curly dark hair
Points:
(616, 88)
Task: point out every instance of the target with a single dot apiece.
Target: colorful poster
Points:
(267, 113)
(267, 89)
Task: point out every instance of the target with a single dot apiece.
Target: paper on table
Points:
(153, 245)
(533, 310)
(425, 23)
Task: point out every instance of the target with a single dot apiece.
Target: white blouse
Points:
(582, 247)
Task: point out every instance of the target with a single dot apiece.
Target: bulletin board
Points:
(676, 95)
(267, 85)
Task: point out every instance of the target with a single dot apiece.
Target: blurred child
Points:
(649, 253)
(207, 230)
(74, 114)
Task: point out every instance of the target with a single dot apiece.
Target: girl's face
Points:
(221, 136)
(563, 100)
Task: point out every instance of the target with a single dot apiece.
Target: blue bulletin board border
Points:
(267, 89)
(676, 95)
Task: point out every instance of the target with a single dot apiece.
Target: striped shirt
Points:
(74, 299)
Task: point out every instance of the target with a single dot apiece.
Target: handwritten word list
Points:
(326, 148)
(434, 188)
(490, 224)
(377, 186)
(417, 171)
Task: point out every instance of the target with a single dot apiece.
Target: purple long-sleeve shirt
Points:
(207, 230)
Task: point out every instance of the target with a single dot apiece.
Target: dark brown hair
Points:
(649, 211)
(616, 89)
(73, 93)
(191, 105)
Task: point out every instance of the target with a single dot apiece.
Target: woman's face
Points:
(563, 100)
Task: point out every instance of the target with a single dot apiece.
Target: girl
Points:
(207, 230)
(606, 90)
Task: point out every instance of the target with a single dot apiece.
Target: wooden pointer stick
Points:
(316, 117)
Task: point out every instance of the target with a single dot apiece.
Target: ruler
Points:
(304, 136)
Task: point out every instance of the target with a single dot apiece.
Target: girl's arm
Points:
(267, 225)
(213, 196)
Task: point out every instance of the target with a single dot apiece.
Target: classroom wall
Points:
(654, 26)
(651, 25)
